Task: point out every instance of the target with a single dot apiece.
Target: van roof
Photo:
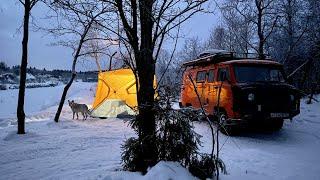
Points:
(207, 61)
(251, 61)
(216, 56)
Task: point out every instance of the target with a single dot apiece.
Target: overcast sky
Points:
(41, 55)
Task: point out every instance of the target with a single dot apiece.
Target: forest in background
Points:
(9, 77)
(288, 31)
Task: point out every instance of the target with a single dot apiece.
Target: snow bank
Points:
(164, 170)
(168, 170)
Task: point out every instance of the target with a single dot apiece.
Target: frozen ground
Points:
(91, 149)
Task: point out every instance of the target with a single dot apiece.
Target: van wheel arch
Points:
(188, 104)
(226, 129)
(221, 109)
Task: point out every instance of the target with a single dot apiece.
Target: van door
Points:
(225, 89)
(210, 91)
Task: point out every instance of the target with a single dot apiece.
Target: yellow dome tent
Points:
(116, 94)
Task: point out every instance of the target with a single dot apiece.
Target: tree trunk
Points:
(75, 59)
(313, 87)
(23, 69)
(63, 97)
(306, 75)
(145, 95)
(260, 33)
(290, 31)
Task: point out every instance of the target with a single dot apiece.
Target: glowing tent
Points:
(116, 94)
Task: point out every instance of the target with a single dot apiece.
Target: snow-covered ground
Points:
(76, 149)
(291, 153)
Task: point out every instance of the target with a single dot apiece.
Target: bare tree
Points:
(238, 31)
(75, 20)
(143, 27)
(261, 14)
(28, 5)
(286, 40)
(102, 50)
(191, 49)
(293, 41)
(217, 39)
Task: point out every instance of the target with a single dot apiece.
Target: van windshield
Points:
(258, 74)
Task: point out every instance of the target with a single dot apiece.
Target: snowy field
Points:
(91, 149)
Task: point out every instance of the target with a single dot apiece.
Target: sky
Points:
(42, 55)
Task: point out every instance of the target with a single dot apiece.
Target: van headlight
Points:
(251, 97)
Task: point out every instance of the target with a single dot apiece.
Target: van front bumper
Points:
(259, 117)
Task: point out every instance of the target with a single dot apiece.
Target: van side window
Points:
(201, 76)
(211, 75)
(221, 71)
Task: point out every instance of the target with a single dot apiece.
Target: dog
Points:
(76, 108)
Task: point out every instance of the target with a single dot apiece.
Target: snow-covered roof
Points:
(213, 52)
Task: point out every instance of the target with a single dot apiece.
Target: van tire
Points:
(277, 124)
(226, 129)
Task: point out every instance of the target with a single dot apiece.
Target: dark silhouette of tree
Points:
(144, 26)
(28, 5)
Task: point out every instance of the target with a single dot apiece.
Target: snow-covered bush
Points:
(131, 154)
(175, 139)
(204, 166)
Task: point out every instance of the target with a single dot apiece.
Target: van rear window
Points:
(201, 76)
(211, 76)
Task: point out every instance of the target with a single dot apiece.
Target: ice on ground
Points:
(91, 149)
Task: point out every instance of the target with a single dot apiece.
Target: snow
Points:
(91, 149)
(162, 170)
(30, 76)
(168, 170)
(38, 99)
(291, 153)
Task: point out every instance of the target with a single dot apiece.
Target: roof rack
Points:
(217, 56)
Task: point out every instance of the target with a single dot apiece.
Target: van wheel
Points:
(277, 124)
(224, 127)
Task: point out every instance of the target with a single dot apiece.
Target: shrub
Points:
(204, 166)
(131, 154)
(175, 139)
